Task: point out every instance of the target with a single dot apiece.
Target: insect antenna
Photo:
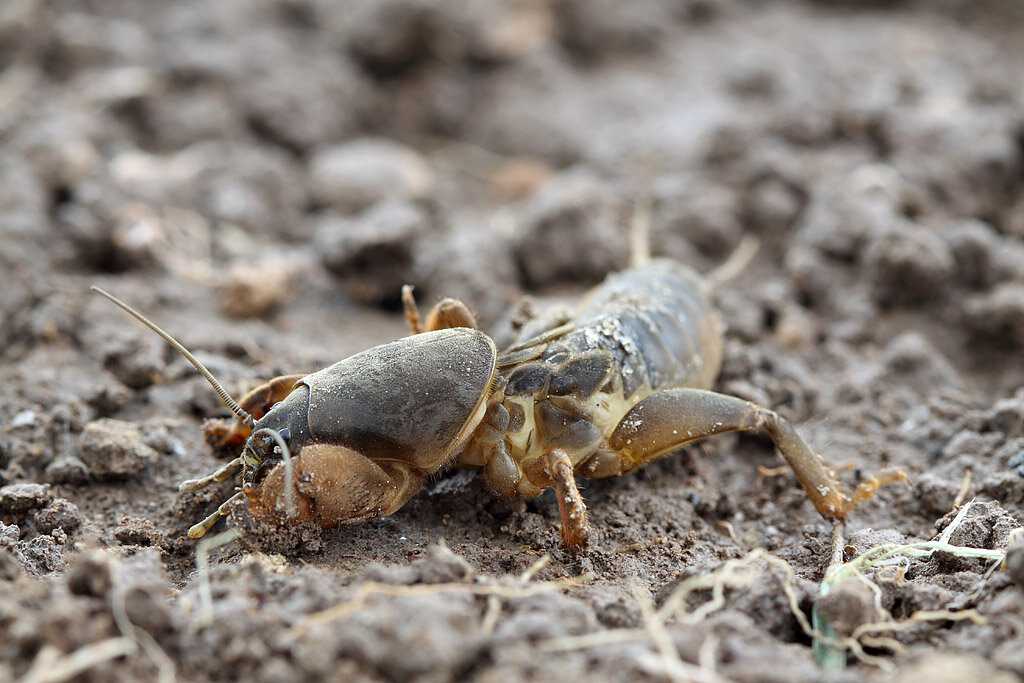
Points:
(734, 264)
(224, 396)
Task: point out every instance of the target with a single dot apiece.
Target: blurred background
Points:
(479, 149)
(262, 176)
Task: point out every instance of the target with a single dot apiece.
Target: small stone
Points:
(67, 469)
(16, 498)
(571, 231)
(912, 358)
(277, 670)
(519, 178)
(91, 575)
(909, 266)
(137, 531)
(9, 535)
(499, 31)
(10, 567)
(752, 76)
(43, 554)
(845, 213)
(998, 316)
(390, 574)
(934, 492)
(374, 254)
(987, 525)
(160, 437)
(705, 216)
(1012, 453)
(965, 442)
(113, 449)
(136, 360)
(358, 174)
(25, 418)
(441, 565)
(772, 204)
(594, 30)
(847, 606)
(1007, 416)
(974, 245)
(59, 514)
(107, 396)
(254, 290)
(307, 101)
(147, 608)
(389, 37)
(256, 188)
(1015, 564)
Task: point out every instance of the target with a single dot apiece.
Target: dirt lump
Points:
(113, 449)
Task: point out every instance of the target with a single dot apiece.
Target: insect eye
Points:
(285, 433)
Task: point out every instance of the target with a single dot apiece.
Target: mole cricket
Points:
(626, 379)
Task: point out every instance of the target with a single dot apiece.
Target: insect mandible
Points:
(624, 380)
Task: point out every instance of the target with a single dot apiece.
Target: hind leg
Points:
(223, 434)
(445, 314)
(668, 419)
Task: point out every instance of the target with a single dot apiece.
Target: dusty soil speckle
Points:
(261, 178)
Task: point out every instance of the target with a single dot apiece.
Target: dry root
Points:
(829, 648)
(522, 588)
(744, 572)
(50, 667)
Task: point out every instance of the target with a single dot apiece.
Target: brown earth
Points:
(260, 178)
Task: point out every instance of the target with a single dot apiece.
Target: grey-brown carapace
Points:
(624, 380)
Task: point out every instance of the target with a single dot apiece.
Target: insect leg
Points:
(445, 314)
(412, 311)
(448, 313)
(222, 473)
(199, 530)
(222, 434)
(668, 419)
(570, 503)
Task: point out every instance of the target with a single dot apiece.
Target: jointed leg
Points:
(222, 473)
(197, 531)
(233, 433)
(412, 311)
(570, 503)
(445, 314)
(668, 419)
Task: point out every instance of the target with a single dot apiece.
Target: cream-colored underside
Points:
(606, 410)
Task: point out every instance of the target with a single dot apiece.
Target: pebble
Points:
(358, 174)
(15, 498)
(113, 449)
(60, 513)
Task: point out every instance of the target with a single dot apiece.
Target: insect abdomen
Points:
(656, 322)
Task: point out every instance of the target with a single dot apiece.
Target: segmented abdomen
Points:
(656, 322)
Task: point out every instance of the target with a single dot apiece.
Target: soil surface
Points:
(261, 178)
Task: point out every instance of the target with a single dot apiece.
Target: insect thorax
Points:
(573, 405)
